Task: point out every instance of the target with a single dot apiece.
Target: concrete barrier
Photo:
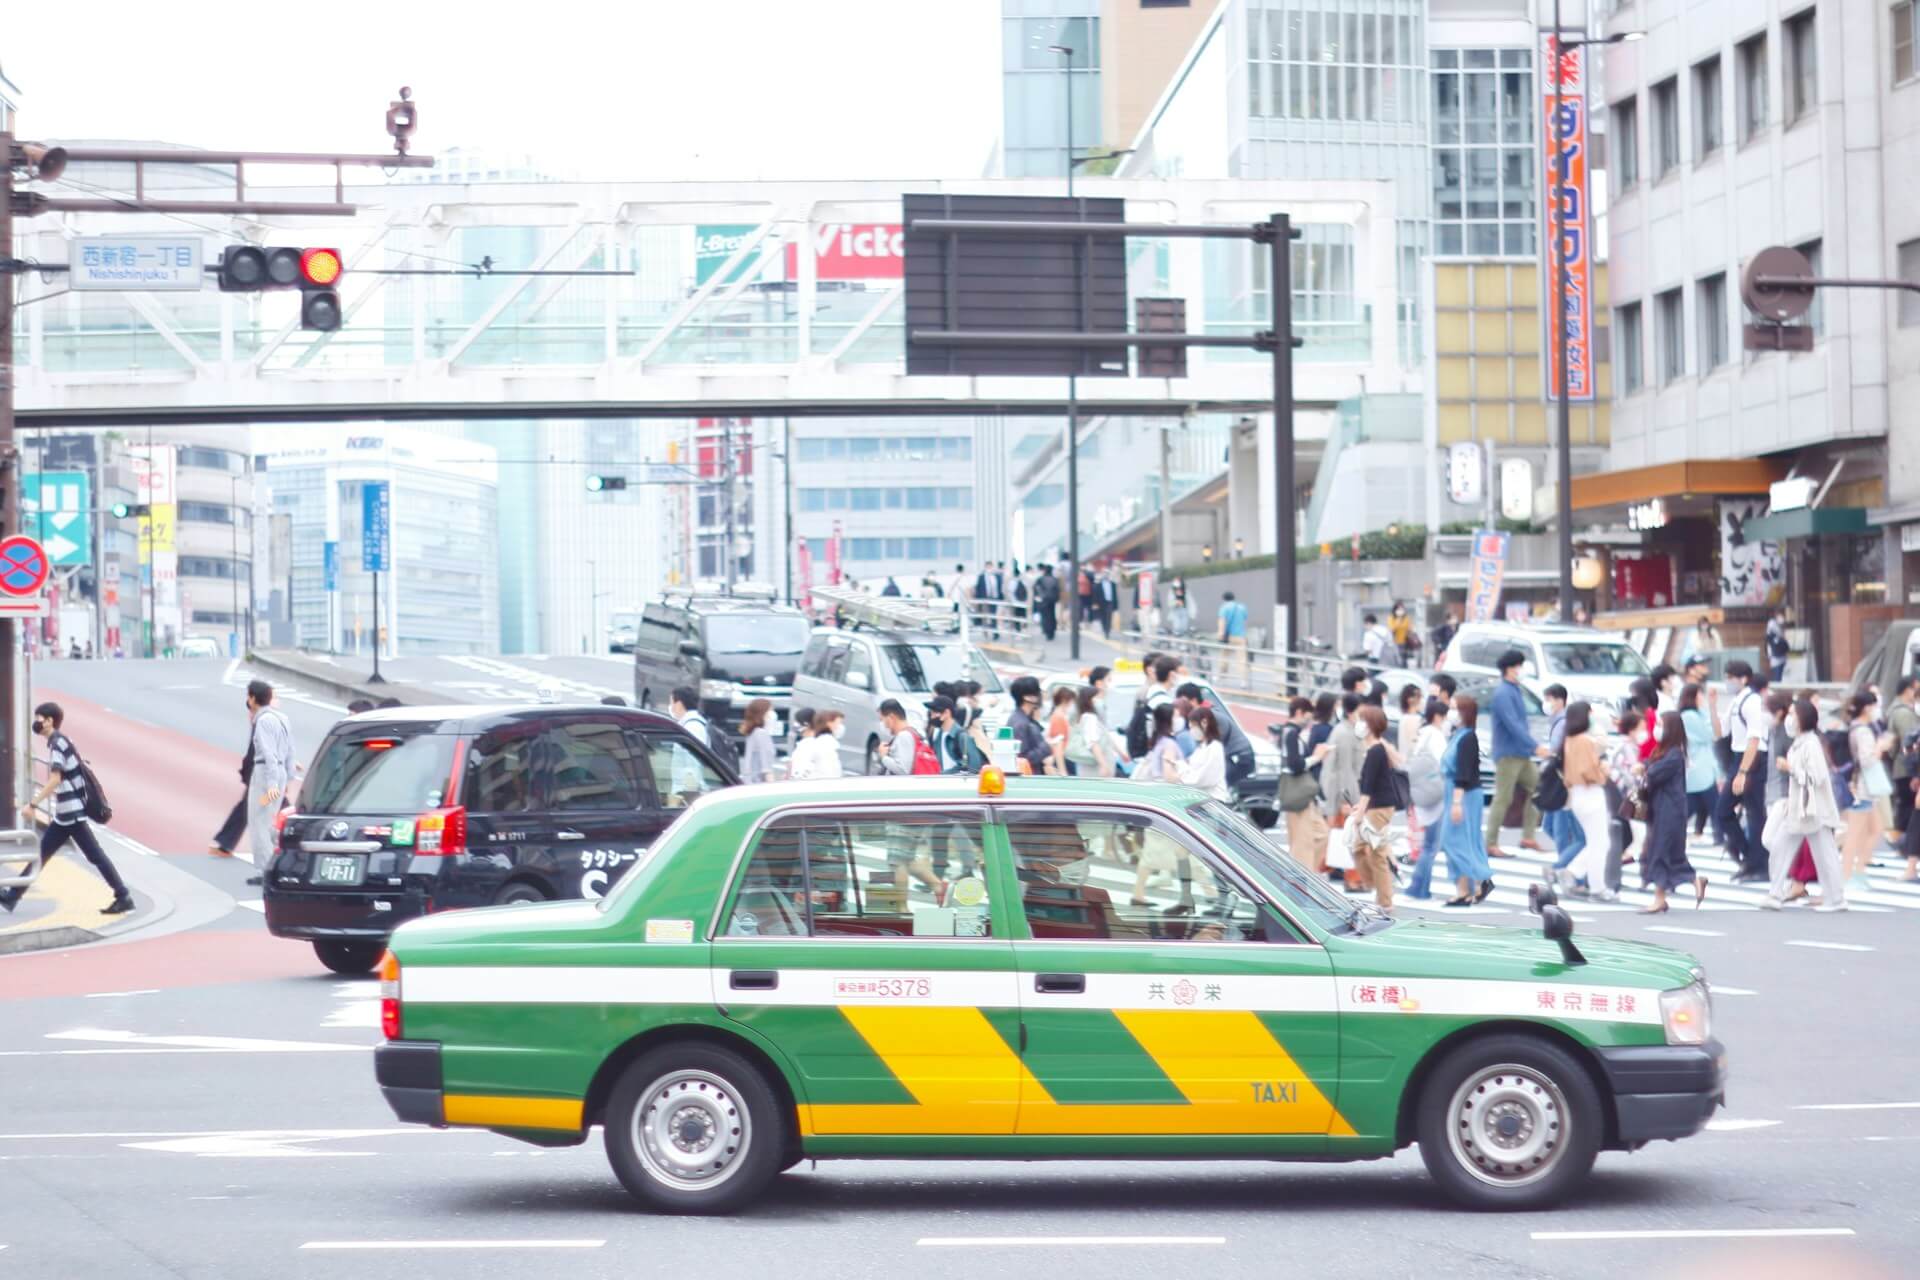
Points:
(317, 676)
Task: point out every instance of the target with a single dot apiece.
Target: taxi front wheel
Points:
(694, 1128)
(1509, 1122)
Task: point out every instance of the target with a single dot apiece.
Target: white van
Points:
(1597, 667)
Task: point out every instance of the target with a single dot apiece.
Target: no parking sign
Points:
(23, 572)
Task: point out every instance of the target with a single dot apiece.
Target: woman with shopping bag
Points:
(1808, 813)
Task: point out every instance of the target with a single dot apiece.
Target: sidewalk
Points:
(62, 907)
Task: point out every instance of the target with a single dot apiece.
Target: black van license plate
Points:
(338, 868)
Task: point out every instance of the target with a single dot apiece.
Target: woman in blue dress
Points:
(1460, 835)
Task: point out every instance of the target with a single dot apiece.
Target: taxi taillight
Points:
(441, 832)
(390, 996)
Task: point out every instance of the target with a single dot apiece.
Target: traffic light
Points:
(121, 510)
(605, 484)
(247, 268)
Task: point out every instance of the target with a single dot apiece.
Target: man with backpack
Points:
(1903, 722)
(907, 752)
(271, 748)
(76, 797)
(1046, 601)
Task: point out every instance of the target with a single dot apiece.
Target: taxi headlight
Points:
(1687, 1014)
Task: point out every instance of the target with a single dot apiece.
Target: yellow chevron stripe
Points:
(960, 1071)
(965, 1079)
(513, 1113)
(1229, 1065)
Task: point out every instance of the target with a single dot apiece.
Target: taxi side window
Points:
(892, 876)
(595, 766)
(500, 772)
(679, 776)
(1124, 878)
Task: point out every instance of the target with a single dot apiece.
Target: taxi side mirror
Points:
(1557, 926)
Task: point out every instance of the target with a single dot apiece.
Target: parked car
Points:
(1257, 796)
(417, 810)
(1596, 666)
(729, 649)
(854, 670)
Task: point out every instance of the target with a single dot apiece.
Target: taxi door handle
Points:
(754, 979)
(1059, 983)
(569, 834)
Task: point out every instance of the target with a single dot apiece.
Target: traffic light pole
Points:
(10, 687)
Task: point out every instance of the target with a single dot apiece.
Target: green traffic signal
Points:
(121, 510)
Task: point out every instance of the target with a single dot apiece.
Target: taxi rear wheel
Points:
(694, 1128)
(1509, 1122)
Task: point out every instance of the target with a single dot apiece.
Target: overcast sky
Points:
(645, 89)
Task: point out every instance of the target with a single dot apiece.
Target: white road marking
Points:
(253, 904)
(354, 1015)
(1719, 990)
(1001, 1242)
(218, 1044)
(453, 1244)
(255, 1146)
(133, 844)
(1685, 933)
(230, 1133)
(1828, 946)
(226, 677)
(108, 995)
(1720, 1233)
(1859, 1106)
(1735, 1126)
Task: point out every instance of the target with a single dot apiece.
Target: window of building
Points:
(1707, 122)
(956, 549)
(1664, 126)
(1710, 302)
(1751, 59)
(1803, 74)
(1485, 167)
(1670, 335)
(1319, 64)
(1909, 267)
(1623, 135)
(206, 512)
(1904, 13)
(211, 567)
(209, 459)
(1627, 356)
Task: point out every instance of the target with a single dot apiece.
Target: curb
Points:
(325, 679)
(151, 907)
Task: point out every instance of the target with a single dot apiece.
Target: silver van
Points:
(853, 671)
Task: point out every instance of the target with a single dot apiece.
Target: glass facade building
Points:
(1036, 81)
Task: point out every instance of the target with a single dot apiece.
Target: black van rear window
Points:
(375, 769)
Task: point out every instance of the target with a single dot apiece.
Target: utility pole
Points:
(1070, 589)
(726, 474)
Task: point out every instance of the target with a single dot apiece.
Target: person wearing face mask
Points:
(67, 784)
(1460, 836)
(1586, 812)
(1663, 856)
(1206, 768)
(1429, 791)
(1810, 815)
(1666, 688)
(817, 756)
(1703, 772)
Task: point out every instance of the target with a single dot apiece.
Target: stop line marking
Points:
(999, 1242)
(1859, 1106)
(1702, 1233)
(1687, 933)
(1822, 945)
(453, 1244)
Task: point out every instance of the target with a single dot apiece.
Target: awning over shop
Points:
(1673, 480)
(1805, 522)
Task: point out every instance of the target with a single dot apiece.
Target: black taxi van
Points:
(413, 810)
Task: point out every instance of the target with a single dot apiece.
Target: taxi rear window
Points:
(380, 769)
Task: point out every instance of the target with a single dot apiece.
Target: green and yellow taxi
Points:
(1029, 968)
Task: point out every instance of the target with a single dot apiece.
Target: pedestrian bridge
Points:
(748, 299)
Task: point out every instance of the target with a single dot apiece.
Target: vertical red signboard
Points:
(1567, 210)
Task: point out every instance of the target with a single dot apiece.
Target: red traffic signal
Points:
(321, 268)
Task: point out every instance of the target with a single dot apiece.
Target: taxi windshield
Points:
(1309, 894)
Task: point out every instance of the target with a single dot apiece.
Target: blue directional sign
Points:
(54, 507)
(376, 527)
(330, 566)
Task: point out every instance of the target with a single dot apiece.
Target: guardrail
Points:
(21, 847)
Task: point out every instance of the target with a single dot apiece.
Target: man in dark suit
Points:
(990, 593)
(1106, 595)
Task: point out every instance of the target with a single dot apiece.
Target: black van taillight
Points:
(441, 832)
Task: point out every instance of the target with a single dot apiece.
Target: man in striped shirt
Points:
(68, 787)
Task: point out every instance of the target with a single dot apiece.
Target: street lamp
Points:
(1073, 402)
(1563, 404)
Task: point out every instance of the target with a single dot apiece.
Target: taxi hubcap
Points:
(1508, 1125)
(690, 1129)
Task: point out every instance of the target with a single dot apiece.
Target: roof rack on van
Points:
(745, 594)
(889, 613)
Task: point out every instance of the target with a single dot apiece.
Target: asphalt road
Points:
(197, 1100)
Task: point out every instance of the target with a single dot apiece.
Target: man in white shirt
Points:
(1376, 641)
(1748, 727)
